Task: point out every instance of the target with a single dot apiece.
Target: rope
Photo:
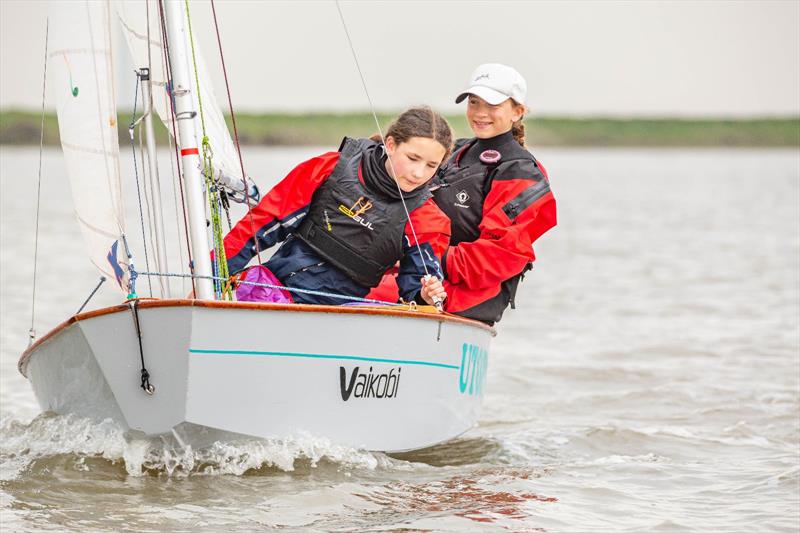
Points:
(145, 375)
(152, 100)
(32, 331)
(168, 72)
(270, 286)
(380, 131)
(220, 262)
(236, 137)
(136, 175)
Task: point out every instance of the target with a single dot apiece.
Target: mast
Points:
(190, 155)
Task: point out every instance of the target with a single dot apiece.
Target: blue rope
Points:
(270, 286)
(138, 193)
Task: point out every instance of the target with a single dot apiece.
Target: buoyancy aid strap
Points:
(355, 265)
(349, 148)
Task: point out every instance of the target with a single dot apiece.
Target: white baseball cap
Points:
(496, 83)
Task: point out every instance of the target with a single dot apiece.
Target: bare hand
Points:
(432, 290)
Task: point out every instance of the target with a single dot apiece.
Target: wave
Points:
(50, 437)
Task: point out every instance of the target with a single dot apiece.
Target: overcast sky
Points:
(580, 58)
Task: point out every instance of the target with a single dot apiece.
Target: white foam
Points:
(49, 435)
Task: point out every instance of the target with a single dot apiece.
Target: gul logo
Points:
(369, 385)
(474, 361)
(358, 209)
(462, 198)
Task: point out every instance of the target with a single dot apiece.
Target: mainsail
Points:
(81, 64)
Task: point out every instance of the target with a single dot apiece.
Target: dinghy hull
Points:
(372, 378)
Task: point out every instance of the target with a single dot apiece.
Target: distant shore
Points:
(321, 129)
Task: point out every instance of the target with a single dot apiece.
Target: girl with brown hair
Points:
(345, 217)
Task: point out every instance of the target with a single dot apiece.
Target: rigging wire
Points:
(236, 136)
(170, 140)
(32, 331)
(380, 131)
(173, 121)
(219, 263)
(148, 191)
(136, 175)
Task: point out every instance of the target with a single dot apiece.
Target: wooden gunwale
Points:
(145, 303)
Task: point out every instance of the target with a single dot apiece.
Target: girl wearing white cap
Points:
(497, 196)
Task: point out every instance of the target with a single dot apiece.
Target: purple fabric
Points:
(246, 292)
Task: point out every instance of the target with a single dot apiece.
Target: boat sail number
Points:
(474, 361)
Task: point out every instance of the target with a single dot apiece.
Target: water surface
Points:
(649, 379)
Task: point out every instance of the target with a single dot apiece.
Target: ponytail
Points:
(518, 131)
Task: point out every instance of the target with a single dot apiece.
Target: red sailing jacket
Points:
(282, 210)
(497, 214)
(475, 270)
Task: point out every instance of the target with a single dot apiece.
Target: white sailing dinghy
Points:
(389, 378)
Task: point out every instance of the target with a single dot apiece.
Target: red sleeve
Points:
(504, 245)
(279, 206)
(431, 225)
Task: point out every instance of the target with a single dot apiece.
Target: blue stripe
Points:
(324, 356)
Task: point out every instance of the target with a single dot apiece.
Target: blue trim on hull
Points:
(322, 356)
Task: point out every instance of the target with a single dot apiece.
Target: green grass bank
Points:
(321, 129)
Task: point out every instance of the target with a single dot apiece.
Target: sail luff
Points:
(80, 63)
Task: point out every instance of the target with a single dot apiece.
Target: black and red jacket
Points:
(342, 225)
(497, 211)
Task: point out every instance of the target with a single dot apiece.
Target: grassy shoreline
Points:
(283, 129)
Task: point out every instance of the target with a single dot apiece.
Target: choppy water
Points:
(649, 381)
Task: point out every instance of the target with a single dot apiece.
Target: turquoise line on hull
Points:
(323, 356)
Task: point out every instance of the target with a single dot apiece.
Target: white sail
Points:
(141, 25)
(81, 67)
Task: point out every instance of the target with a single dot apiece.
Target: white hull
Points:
(266, 370)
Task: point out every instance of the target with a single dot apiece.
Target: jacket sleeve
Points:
(432, 229)
(279, 212)
(516, 213)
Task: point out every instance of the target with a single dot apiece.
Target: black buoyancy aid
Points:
(354, 228)
(460, 192)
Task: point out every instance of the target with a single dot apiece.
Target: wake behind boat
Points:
(389, 378)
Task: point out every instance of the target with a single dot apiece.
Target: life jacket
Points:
(460, 191)
(354, 228)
